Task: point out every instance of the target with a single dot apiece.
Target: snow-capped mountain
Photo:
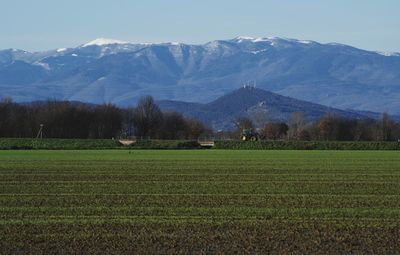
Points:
(106, 70)
(103, 41)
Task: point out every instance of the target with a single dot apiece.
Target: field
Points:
(199, 201)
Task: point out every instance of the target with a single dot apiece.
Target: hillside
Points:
(257, 104)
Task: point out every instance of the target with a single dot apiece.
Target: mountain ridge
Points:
(336, 75)
(102, 41)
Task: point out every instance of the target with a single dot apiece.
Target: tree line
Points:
(330, 127)
(63, 119)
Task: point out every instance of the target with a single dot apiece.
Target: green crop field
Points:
(199, 201)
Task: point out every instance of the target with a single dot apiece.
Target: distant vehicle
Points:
(249, 135)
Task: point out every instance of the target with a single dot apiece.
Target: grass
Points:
(199, 201)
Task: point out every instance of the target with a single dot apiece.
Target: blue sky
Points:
(47, 24)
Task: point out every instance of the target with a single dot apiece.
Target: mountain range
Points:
(104, 70)
(258, 105)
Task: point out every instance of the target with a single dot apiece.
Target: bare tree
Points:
(275, 131)
(297, 124)
(147, 117)
(173, 126)
(196, 128)
(243, 123)
(386, 127)
(260, 118)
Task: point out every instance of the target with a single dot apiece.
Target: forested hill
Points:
(259, 105)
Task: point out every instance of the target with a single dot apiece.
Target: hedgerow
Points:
(56, 144)
(305, 145)
(79, 144)
(76, 144)
(165, 144)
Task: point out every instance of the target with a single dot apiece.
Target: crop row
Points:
(257, 237)
(11, 213)
(193, 200)
(275, 187)
(199, 201)
(73, 177)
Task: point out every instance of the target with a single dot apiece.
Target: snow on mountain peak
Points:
(252, 39)
(249, 38)
(103, 41)
(272, 40)
(389, 54)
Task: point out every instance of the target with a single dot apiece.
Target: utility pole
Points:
(40, 133)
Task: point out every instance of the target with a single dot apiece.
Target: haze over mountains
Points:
(106, 70)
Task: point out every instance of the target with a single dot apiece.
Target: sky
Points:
(36, 25)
